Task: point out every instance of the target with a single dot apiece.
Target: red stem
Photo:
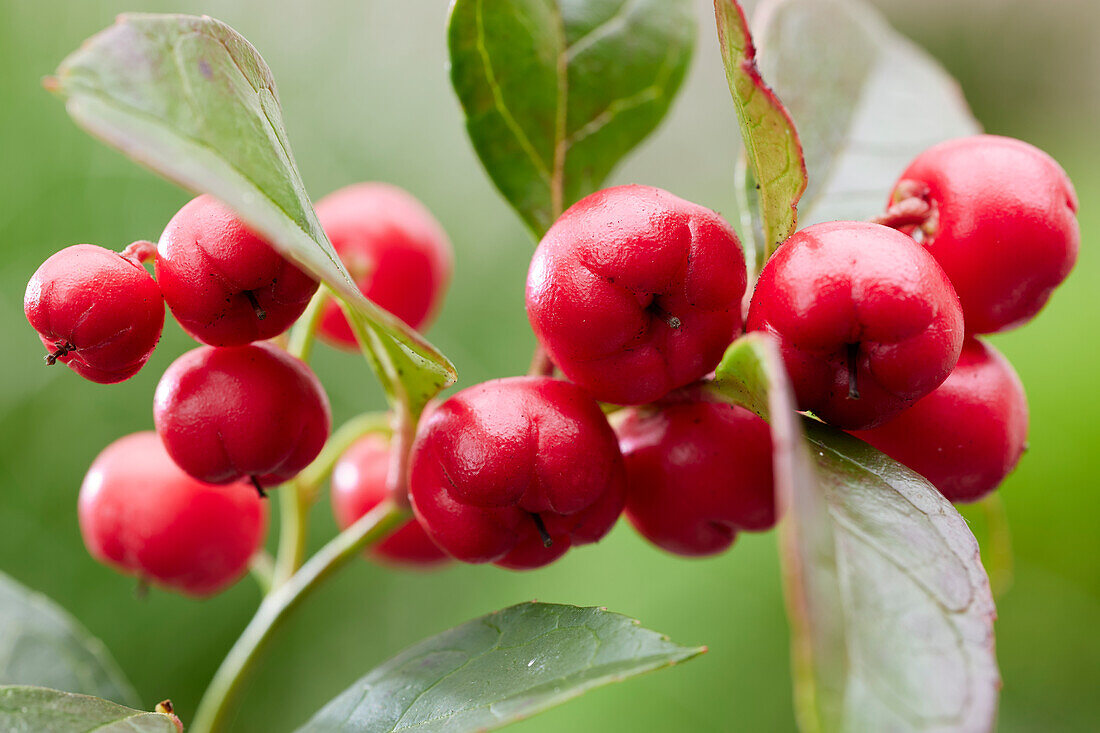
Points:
(397, 479)
(910, 212)
(541, 365)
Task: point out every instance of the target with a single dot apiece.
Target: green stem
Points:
(293, 532)
(216, 709)
(262, 568)
(304, 332)
(315, 474)
(404, 431)
(294, 502)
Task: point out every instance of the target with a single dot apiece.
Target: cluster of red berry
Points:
(634, 295)
(182, 506)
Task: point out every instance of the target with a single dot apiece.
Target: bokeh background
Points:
(366, 96)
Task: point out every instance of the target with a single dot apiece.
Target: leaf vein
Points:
(499, 103)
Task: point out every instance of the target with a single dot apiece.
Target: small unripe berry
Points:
(969, 433)
(97, 312)
(634, 292)
(866, 320)
(1003, 227)
(697, 473)
(226, 413)
(359, 485)
(515, 471)
(224, 284)
(141, 514)
(395, 250)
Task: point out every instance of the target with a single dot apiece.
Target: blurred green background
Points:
(366, 96)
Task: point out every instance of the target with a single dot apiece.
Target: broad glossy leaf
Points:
(866, 100)
(37, 709)
(890, 608)
(498, 669)
(556, 92)
(191, 99)
(771, 145)
(41, 644)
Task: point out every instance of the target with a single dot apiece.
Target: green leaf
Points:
(866, 100)
(41, 644)
(39, 709)
(890, 608)
(191, 99)
(771, 144)
(556, 92)
(498, 669)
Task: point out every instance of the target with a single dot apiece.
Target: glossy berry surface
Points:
(143, 515)
(359, 485)
(867, 322)
(226, 413)
(634, 292)
(1004, 226)
(224, 284)
(968, 434)
(697, 474)
(515, 471)
(95, 311)
(395, 250)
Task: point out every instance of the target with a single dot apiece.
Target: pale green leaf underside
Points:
(41, 644)
(37, 710)
(891, 613)
(193, 100)
(771, 144)
(497, 669)
(866, 100)
(556, 92)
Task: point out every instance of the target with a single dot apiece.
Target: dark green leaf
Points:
(556, 92)
(498, 669)
(771, 145)
(191, 99)
(866, 100)
(41, 644)
(38, 710)
(890, 609)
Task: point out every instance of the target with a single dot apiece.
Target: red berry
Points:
(634, 292)
(224, 284)
(359, 485)
(141, 514)
(515, 471)
(969, 433)
(697, 473)
(1004, 226)
(95, 311)
(396, 251)
(243, 411)
(867, 321)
